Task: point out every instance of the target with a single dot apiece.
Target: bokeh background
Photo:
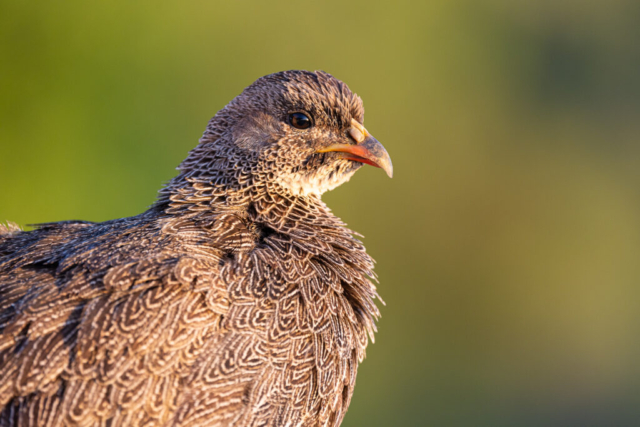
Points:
(508, 242)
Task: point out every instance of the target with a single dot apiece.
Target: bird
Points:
(236, 299)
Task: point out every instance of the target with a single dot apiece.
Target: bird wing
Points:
(100, 322)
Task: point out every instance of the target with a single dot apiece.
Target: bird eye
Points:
(300, 121)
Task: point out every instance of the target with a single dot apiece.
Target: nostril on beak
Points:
(357, 136)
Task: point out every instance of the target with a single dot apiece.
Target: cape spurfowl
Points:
(238, 298)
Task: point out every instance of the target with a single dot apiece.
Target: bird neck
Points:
(262, 201)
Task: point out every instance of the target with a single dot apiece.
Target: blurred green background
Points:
(508, 241)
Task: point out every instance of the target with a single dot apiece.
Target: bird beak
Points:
(366, 150)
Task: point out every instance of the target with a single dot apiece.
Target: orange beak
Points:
(366, 149)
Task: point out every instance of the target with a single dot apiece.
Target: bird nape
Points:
(238, 298)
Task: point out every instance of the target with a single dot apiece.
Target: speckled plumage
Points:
(238, 298)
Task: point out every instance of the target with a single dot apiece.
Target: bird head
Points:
(303, 130)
